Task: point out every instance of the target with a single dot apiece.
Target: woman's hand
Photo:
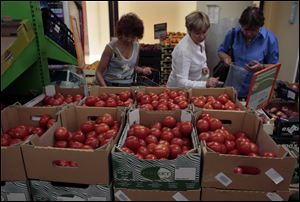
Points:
(254, 66)
(212, 82)
(146, 71)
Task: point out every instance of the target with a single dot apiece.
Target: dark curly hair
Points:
(130, 25)
(252, 17)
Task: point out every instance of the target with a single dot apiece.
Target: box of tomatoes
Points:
(238, 154)
(77, 150)
(157, 150)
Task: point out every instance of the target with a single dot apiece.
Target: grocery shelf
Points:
(56, 52)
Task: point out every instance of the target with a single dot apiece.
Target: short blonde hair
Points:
(197, 21)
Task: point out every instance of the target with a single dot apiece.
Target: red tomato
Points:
(124, 95)
(104, 96)
(20, 132)
(162, 107)
(161, 151)
(142, 150)
(217, 137)
(217, 147)
(269, 154)
(44, 120)
(91, 134)
(240, 134)
(15, 141)
(217, 105)
(106, 118)
(204, 136)
(146, 99)
(50, 123)
(132, 143)
(177, 141)
(110, 134)
(93, 142)
(234, 152)
(5, 141)
(87, 126)
(37, 130)
(86, 147)
(73, 164)
(111, 102)
(186, 128)
(61, 144)
(77, 97)
(146, 107)
(75, 144)
(156, 132)
(215, 124)
(202, 125)
(253, 148)
(61, 133)
(222, 99)
(176, 132)
(199, 103)
(90, 100)
(151, 147)
(252, 154)
(150, 157)
(164, 142)
(127, 150)
(175, 150)
(187, 142)
(238, 170)
(100, 103)
(151, 139)
(169, 121)
(140, 131)
(78, 136)
(183, 104)
(244, 147)
(142, 142)
(230, 145)
(167, 135)
(101, 128)
(62, 163)
(157, 125)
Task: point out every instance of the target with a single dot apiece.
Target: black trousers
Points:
(118, 84)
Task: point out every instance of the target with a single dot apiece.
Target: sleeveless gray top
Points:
(120, 69)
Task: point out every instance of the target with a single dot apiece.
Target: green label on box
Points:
(156, 173)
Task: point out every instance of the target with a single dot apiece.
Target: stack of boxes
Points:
(167, 46)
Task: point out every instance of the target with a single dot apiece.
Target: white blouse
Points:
(188, 60)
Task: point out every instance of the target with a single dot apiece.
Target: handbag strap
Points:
(230, 50)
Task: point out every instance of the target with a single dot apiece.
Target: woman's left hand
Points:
(146, 71)
(254, 66)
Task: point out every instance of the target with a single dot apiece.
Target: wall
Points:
(98, 29)
(154, 12)
(277, 20)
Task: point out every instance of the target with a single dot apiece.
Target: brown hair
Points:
(252, 17)
(130, 25)
(197, 21)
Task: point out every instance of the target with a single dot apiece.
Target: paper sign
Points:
(97, 199)
(213, 12)
(223, 179)
(274, 197)
(121, 196)
(274, 176)
(50, 90)
(16, 197)
(179, 197)
(185, 174)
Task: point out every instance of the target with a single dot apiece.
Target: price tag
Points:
(121, 196)
(16, 197)
(223, 179)
(179, 197)
(185, 174)
(274, 197)
(50, 90)
(274, 176)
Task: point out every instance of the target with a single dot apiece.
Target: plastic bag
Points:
(236, 77)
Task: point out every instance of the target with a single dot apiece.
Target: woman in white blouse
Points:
(189, 68)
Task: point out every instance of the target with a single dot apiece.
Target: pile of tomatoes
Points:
(59, 99)
(167, 100)
(124, 99)
(220, 140)
(221, 102)
(21, 132)
(91, 135)
(162, 140)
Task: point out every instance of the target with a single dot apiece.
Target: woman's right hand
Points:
(212, 82)
(227, 60)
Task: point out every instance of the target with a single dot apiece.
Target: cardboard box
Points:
(15, 191)
(285, 91)
(15, 37)
(216, 92)
(275, 173)
(181, 173)
(11, 116)
(94, 165)
(50, 90)
(286, 127)
(268, 123)
(156, 195)
(212, 194)
(53, 191)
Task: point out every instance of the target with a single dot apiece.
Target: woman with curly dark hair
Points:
(120, 57)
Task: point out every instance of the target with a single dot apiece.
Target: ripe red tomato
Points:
(110, 134)
(183, 104)
(86, 147)
(269, 154)
(20, 132)
(187, 142)
(215, 124)
(15, 141)
(238, 170)
(106, 118)
(140, 131)
(162, 107)
(167, 136)
(253, 148)
(142, 150)
(177, 132)
(104, 96)
(78, 136)
(93, 142)
(205, 136)
(75, 144)
(202, 125)
(50, 123)
(175, 150)
(199, 103)
(161, 151)
(111, 102)
(142, 142)
(101, 128)
(100, 103)
(5, 141)
(244, 147)
(77, 97)
(164, 142)
(132, 143)
(150, 157)
(61, 144)
(217, 105)
(169, 121)
(146, 99)
(157, 125)
(146, 107)
(124, 95)
(37, 130)
(230, 145)
(217, 137)
(127, 150)
(186, 128)
(91, 100)
(44, 120)
(91, 134)
(234, 152)
(240, 134)
(156, 132)
(62, 163)
(177, 141)
(61, 133)
(151, 147)
(222, 99)
(151, 139)
(87, 126)
(217, 147)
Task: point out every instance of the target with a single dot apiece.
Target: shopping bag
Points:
(236, 76)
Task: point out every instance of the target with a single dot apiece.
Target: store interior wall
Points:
(277, 16)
